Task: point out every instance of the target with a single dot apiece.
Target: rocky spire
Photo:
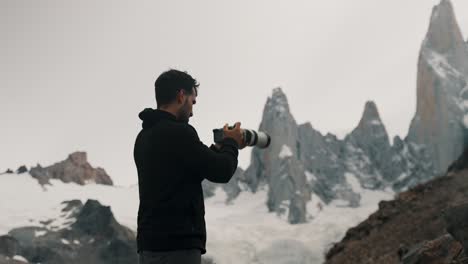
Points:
(444, 36)
(278, 122)
(442, 76)
(370, 117)
(279, 166)
(278, 103)
(370, 125)
(444, 33)
(371, 136)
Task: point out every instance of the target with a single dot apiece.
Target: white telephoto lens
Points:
(263, 140)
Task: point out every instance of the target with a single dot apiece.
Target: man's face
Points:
(186, 110)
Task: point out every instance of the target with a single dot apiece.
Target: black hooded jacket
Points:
(172, 162)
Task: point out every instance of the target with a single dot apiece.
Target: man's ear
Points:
(180, 96)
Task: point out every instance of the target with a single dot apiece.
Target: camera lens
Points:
(259, 139)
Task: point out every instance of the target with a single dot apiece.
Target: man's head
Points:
(176, 92)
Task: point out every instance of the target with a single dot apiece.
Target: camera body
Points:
(251, 137)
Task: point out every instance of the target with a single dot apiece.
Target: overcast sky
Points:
(75, 74)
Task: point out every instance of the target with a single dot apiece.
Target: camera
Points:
(251, 137)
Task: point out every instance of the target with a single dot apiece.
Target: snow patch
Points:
(39, 233)
(465, 120)
(285, 152)
(20, 258)
(310, 176)
(354, 182)
(90, 181)
(402, 176)
(440, 64)
(284, 210)
(375, 122)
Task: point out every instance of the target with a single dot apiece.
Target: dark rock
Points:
(40, 174)
(96, 220)
(9, 171)
(442, 250)
(8, 246)
(43, 254)
(22, 169)
(94, 237)
(456, 218)
(460, 164)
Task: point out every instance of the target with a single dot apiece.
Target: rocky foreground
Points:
(426, 224)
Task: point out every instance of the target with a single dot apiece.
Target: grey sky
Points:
(75, 74)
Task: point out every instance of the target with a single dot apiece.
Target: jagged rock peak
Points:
(278, 100)
(444, 32)
(371, 115)
(75, 168)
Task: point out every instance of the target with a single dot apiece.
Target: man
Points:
(172, 162)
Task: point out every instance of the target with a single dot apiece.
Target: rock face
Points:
(440, 122)
(279, 165)
(74, 169)
(456, 218)
(442, 250)
(413, 227)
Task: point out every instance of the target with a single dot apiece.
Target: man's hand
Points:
(236, 133)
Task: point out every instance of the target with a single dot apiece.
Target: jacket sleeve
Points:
(216, 166)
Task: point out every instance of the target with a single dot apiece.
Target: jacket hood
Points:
(150, 117)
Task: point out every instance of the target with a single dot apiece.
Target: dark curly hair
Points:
(169, 83)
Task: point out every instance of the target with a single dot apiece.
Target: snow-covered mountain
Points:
(239, 232)
(301, 162)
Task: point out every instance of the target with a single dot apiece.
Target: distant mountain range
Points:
(301, 162)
